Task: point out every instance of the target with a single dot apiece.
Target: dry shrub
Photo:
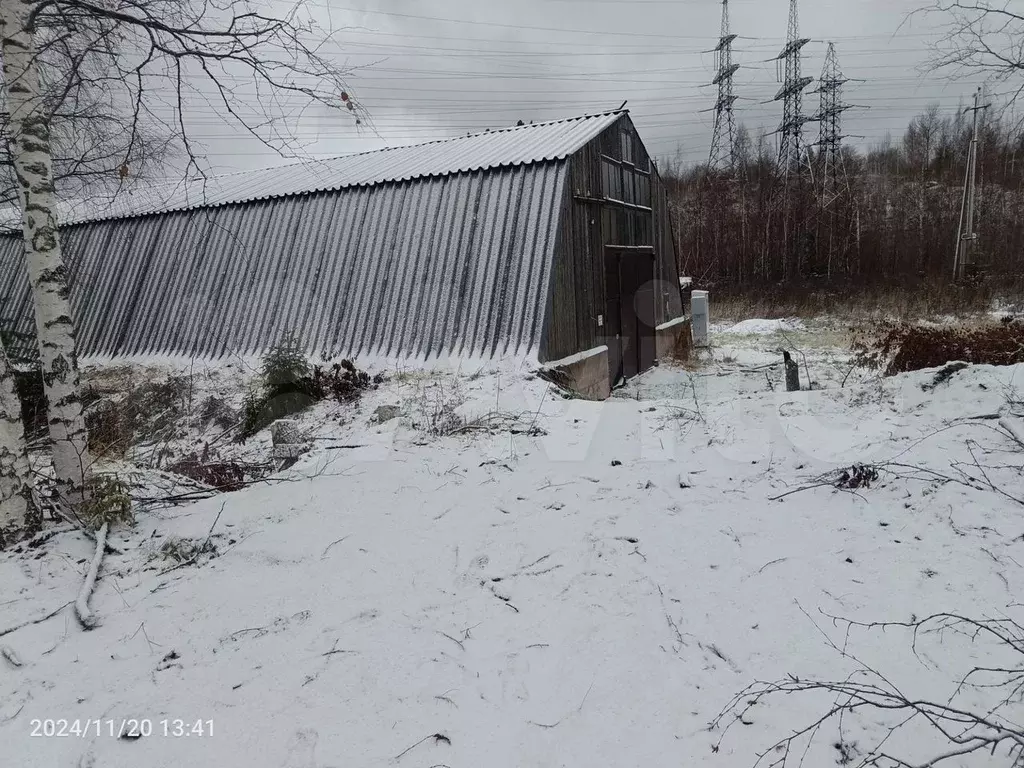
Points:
(278, 396)
(184, 550)
(436, 410)
(857, 476)
(222, 475)
(901, 347)
(149, 412)
(216, 411)
(854, 299)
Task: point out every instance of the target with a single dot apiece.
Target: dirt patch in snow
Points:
(901, 347)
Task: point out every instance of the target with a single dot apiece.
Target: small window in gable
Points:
(644, 192)
(627, 147)
(612, 175)
(629, 190)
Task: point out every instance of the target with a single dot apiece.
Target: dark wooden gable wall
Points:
(589, 222)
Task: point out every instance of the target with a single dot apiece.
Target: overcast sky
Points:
(430, 70)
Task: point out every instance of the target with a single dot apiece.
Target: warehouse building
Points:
(548, 241)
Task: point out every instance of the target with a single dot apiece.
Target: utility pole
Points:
(963, 262)
(791, 95)
(723, 140)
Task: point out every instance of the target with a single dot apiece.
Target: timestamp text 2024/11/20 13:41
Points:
(128, 728)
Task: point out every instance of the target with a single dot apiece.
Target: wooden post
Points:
(792, 373)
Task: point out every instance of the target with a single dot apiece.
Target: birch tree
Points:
(29, 147)
(17, 507)
(151, 58)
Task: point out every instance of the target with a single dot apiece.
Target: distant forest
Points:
(892, 221)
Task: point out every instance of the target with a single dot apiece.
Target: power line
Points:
(496, 24)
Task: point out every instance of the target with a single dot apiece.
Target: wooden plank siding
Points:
(578, 291)
(670, 301)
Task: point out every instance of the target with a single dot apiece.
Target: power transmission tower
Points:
(791, 95)
(963, 262)
(723, 140)
(835, 223)
(830, 121)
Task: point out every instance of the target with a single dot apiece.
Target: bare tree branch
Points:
(956, 730)
(980, 38)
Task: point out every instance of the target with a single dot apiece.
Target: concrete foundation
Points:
(586, 374)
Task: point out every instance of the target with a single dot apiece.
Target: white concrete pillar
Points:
(699, 318)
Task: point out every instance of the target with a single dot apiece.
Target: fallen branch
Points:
(560, 721)
(86, 617)
(457, 642)
(40, 620)
(41, 538)
(1012, 430)
(801, 489)
(202, 494)
(860, 476)
(758, 368)
(773, 562)
(439, 738)
(328, 547)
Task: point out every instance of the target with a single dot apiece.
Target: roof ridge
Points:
(504, 147)
(486, 132)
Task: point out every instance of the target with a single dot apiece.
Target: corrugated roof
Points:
(454, 265)
(513, 146)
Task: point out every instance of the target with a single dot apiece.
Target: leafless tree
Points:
(93, 155)
(982, 37)
(948, 728)
(77, 62)
(889, 229)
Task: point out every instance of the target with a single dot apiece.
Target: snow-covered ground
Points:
(746, 359)
(590, 596)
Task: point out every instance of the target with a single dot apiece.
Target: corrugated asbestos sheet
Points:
(451, 265)
(509, 146)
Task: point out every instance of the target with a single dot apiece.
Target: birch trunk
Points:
(17, 507)
(29, 141)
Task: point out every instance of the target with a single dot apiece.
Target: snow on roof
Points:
(457, 265)
(518, 145)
